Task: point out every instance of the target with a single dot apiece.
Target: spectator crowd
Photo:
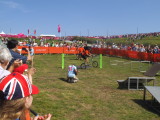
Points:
(98, 44)
(16, 84)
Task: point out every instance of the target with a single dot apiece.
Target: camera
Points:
(23, 48)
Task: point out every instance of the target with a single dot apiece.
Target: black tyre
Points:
(83, 66)
(95, 64)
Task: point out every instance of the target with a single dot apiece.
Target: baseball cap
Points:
(16, 86)
(21, 68)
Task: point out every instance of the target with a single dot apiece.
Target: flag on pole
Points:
(59, 28)
(35, 31)
(28, 31)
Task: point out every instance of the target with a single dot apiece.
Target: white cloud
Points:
(10, 4)
(14, 5)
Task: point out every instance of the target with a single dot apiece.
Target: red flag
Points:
(28, 31)
(34, 31)
(59, 28)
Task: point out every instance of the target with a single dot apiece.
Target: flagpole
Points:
(28, 32)
(35, 32)
(59, 31)
(60, 35)
(10, 31)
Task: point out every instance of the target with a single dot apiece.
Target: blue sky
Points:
(80, 17)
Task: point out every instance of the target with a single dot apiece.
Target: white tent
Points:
(45, 35)
(68, 41)
(2, 32)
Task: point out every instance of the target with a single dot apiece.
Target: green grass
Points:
(94, 97)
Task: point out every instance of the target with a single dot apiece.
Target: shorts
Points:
(84, 56)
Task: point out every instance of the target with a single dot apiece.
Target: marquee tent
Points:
(43, 35)
(2, 33)
(21, 35)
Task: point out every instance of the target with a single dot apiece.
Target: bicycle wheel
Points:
(95, 64)
(83, 66)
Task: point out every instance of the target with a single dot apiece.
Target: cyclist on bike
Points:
(72, 72)
(85, 55)
(80, 51)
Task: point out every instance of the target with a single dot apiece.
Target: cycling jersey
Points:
(81, 49)
(86, 53)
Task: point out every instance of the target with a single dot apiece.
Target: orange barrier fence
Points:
(52, 50)
(104, 51)
(128, 54)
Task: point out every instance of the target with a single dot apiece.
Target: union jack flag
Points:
(15, 86)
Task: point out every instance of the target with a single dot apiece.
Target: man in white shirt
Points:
(72, 72)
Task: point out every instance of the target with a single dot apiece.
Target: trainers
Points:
(75, 81)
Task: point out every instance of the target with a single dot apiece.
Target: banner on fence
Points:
(104, 51)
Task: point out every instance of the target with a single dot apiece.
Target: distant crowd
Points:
(129, 36)
(136, 47)
(98, 44)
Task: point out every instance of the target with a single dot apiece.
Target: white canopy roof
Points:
(45, 35)
(2, 32)
(68, 41)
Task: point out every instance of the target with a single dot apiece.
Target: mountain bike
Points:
(92, 63)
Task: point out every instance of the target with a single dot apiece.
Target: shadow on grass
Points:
(63, 79)
(124, 85)
(73, 59)
(149, 106)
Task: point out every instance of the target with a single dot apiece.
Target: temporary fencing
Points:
(104, 51)
(51, 50)
(128, 54)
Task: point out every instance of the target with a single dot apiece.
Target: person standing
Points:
(31, 49)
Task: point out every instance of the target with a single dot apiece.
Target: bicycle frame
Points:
(91, 63)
